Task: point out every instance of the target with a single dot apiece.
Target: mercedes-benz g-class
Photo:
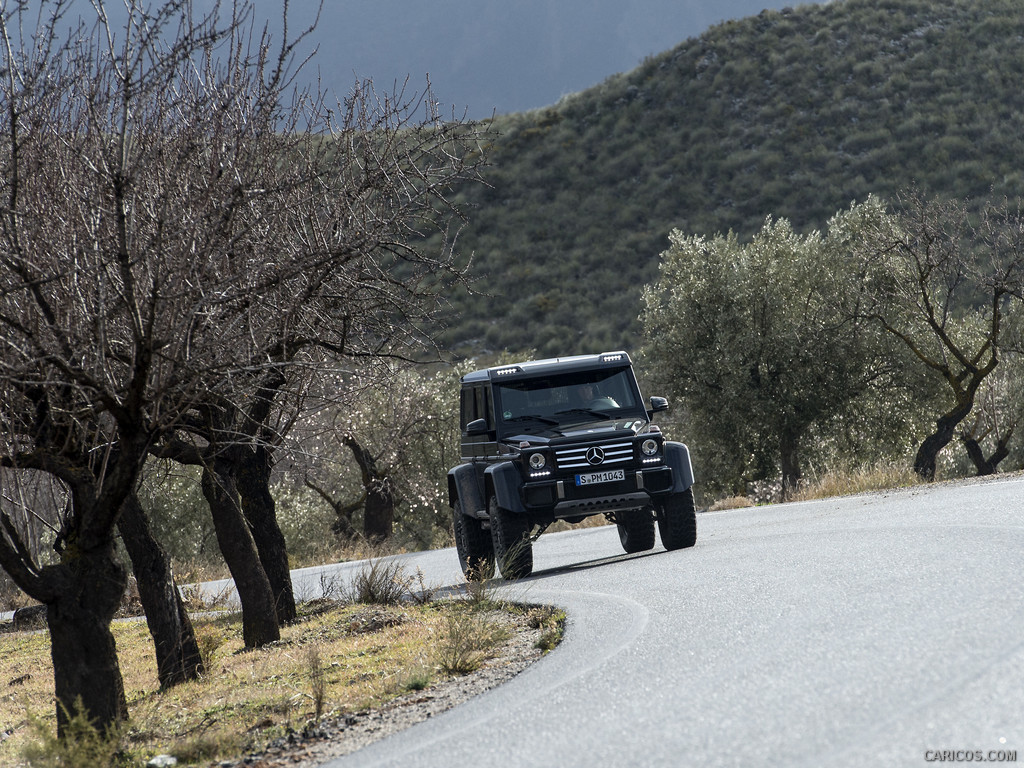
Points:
(563, 439)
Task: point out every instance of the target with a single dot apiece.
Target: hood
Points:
(544, 434)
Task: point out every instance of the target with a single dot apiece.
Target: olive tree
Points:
(940, 277)
(989, 431)
(182, 239)
(750, 337)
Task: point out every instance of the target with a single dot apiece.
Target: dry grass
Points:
(11, 598)
(594, 521)
(837, 481)
(336, 659)
(733, 502)
(331, 550)
(845, 482)
(468, 639)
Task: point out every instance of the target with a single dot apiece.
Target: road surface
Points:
(876, 630)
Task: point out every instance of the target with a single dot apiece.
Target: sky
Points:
(484, 56)
(500, 55)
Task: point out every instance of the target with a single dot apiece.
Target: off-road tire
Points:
(636, 529)
(510, 535)
(677, 521)
(473, 544)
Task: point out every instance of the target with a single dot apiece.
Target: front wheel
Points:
(510, 536)
(636, 529)
(677, 521)
(473, 545)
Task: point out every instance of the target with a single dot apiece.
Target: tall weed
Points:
(82, 744)
(381, 583)
(467, 640)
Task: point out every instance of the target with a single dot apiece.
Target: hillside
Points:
(791, 113)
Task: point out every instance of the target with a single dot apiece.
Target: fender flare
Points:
(503, 481)
(463, 485)
(677, 456)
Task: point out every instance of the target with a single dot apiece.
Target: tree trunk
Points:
(259, 617)
(379, 506)
(252, 478)
(790, 460)
(928, 453)
(990, 465)
(342, 526)
(379, 512)
(86, 674)
(177, 653)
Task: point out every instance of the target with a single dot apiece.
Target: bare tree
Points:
(179, 233)
(33, 502)
(941, 280)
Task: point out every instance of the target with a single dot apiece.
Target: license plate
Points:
(608, 476)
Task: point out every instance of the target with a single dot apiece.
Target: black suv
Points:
(563, 439)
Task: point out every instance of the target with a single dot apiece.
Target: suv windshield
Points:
(569, 397)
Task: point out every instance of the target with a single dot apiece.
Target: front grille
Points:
(576, 457)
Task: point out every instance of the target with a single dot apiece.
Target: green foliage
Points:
(791, 114)
(407, 421)
(769, 367)
(839, 350)
(305, 521)
(551, 622)
(946, 280)
(172, 498)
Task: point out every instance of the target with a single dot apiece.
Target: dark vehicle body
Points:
(563, 439)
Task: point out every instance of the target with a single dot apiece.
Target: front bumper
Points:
(563, 498)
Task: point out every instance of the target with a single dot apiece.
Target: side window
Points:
(483, 408)
(475, 403)
(466, 405)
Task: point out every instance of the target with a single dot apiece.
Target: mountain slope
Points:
(792, 114)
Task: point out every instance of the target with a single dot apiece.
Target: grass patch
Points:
(468, 637)
(82, 745)
(337, 658)
(836, 481)
(551, 622)
(847, 481)
(594, 521)
(733, 502)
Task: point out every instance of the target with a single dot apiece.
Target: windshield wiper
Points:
(534, 417)
(588, 411)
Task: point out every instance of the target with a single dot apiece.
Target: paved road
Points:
(866, 631)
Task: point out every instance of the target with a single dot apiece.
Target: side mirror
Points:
(477, 427)
(658, 404)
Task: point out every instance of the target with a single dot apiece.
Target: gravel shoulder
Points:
(334, 737)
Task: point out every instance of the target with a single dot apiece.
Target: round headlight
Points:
(537, 460)
(649, 447)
